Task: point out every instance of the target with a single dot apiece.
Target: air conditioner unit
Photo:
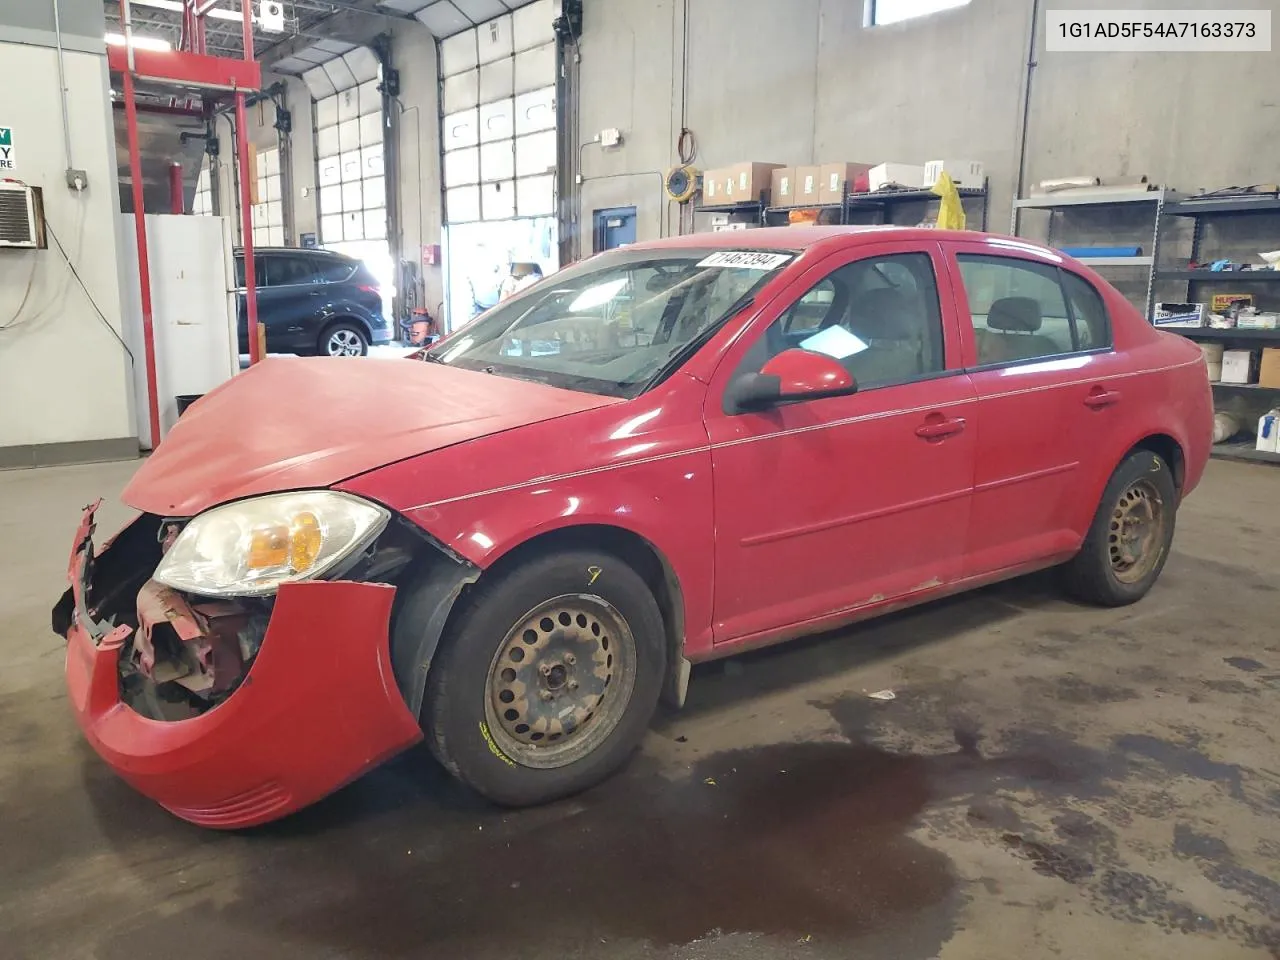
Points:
(21, 216)
(271, 16)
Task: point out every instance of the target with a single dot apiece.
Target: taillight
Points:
(370, 288)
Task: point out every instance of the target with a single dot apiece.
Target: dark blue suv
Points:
(313, 301)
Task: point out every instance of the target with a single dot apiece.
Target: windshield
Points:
(613, 324)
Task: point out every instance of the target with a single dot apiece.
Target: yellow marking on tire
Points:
(595, 575)
(493, 747)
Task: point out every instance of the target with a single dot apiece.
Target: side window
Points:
(1093, 328)
(879, 317)
(334, 271)
(1026, 311)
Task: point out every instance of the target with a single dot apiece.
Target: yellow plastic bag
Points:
(951, 210)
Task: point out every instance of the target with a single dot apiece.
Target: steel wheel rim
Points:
(343, 343)
(1135, 535)
(560, 681)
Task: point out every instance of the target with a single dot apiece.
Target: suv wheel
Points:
(344, 340)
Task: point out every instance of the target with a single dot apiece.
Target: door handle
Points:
(938, 427)
(1099, 397)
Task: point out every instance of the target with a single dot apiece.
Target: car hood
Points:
(291, 423)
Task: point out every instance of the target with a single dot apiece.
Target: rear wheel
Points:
(547, 679)
(1129, 540)
(344, 340)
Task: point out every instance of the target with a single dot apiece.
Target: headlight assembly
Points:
(249, 548)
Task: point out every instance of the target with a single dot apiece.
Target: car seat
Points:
(1012, 332)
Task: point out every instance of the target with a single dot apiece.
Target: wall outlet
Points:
(77, 180)
(611, 137)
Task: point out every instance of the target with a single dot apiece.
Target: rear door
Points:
(829, 505)
(1038, 347)
(287, 301)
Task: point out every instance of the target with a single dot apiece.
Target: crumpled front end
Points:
(228, 713)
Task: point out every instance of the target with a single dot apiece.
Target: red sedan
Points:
(517, 543)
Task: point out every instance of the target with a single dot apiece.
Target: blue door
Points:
(615, 227)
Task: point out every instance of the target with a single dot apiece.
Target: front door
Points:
(614, 228)
(829, 505)
(1038, 346)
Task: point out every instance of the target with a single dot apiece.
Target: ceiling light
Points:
(175, 6)
(139, 42)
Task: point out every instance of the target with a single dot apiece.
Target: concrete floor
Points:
(1050, 780)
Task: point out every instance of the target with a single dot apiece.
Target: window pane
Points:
(350, 166)
(496, 161)
(370, 98)
(336, 271)
(375, 192)
(371, 158)
(349, 135)
(327, 142)
(331, 228)
(370, 129)
(348, 105)
(461, 166)
(353, 226)
(326, 111)
(1093, 330)
(275, 213)
(330, 199)
(329, 172)
(462, 204)
(536, 153)
(271, 189)
(536, 196)
(891, 11)
(351, 197)
(879, 317)
(1017, 307)
(536, 111)
(498, 200)
(375, 224)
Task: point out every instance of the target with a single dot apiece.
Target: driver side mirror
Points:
(791, 376)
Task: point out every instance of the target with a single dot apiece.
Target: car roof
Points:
(803, 237)
(304, 251)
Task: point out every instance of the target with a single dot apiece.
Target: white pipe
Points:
(126, 24)
(62, 83)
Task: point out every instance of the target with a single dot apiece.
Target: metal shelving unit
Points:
(882, 203)
(1057, 203)
(755, 208)
(1243, 451)
(1216, 334)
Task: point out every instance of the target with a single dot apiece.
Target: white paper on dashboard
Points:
(835, 342)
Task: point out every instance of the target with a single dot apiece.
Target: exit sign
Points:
(6, 148)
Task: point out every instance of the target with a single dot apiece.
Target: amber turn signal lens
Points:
(268, 546)
(305, 540)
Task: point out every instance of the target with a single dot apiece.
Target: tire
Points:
(509, 703)
(343, 339)
(1123, 552)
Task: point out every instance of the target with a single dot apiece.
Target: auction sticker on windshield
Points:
(745, 259)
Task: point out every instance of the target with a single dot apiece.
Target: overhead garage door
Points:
(498, 129)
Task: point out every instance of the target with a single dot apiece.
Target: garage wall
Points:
(805, 81)
(64, 378)
(413, 51)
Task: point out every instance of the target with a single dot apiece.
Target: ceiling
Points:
(306, 20)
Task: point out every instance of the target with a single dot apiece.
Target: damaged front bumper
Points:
(318, 707)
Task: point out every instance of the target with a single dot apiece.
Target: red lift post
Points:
(187, 67)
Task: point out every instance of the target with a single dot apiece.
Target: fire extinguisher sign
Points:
(6, 148)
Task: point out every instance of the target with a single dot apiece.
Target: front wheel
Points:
(1129, 540)
(547, 678)
(344, 340)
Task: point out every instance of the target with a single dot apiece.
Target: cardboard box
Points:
(746, 181)
(1269, 370)
(1222, 302)
(808, 186)
(965, 173)
(782, 187)
(834, 176)
(1249, 319)
(1179, 315)
(713, 187)
(1239, 366)
(885, 175)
